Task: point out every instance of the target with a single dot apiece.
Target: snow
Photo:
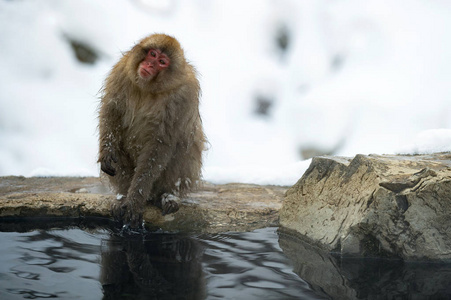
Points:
(429, 141)
(357, 77)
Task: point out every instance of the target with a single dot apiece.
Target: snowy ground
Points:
(355, 77)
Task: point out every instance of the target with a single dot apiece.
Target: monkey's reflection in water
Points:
(160, 266)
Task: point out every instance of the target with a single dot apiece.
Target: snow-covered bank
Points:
(279, 79)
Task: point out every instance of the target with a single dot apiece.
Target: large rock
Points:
(376, 205)
(213, 208)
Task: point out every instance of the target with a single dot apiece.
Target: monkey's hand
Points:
(128, 212)
(106, 164)
(133, 214)
(169, 204)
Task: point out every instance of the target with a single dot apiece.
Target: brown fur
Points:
(151, 136)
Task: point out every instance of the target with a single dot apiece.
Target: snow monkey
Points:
(150, 131)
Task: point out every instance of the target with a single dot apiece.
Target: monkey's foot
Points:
(169, 203)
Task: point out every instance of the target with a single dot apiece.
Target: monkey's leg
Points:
(121, 183)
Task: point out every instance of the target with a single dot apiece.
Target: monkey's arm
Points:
(151, 163)
(109, 137)
(171, 135)
(154, 158)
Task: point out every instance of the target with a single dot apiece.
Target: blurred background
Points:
(282, 80)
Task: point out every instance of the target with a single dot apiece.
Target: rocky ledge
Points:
(368, 206)
(213, 208)
(374, 206)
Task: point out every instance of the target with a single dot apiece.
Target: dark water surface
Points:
(71, 263)
(67, 262)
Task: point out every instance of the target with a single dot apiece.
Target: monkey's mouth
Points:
(145, 74)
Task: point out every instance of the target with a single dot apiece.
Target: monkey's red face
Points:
(154, 62)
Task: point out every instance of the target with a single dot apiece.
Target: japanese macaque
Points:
(150, 131)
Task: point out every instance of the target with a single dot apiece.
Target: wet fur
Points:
(150, 133)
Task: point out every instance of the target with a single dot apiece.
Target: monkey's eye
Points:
(162, 62)
(153, 54)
